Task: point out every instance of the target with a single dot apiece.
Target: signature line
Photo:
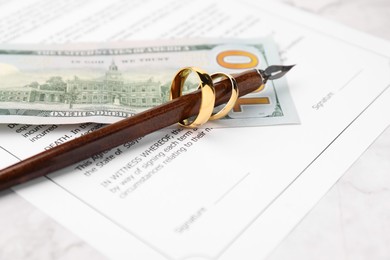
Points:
(231, 188)
(351, 79)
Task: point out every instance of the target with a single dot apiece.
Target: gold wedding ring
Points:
(208, 94)
(233, 97)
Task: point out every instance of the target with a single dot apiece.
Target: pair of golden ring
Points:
(208, 95)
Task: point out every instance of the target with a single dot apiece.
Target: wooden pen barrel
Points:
(123, 131)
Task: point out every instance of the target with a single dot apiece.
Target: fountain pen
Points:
(131, 128)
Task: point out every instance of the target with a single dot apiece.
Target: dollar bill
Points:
(106, 82)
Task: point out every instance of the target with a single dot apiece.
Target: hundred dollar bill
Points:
(106, 82)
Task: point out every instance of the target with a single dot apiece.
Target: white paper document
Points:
(206, 193)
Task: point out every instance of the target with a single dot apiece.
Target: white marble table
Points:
(351, 222)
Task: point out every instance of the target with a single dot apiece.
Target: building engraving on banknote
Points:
(110, 89)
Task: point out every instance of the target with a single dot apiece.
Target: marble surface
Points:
(371, 16)
(27, 233)
(351, 222)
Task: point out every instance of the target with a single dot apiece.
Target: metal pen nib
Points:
(274, 72)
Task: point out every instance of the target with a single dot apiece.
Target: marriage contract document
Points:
(207, 193)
